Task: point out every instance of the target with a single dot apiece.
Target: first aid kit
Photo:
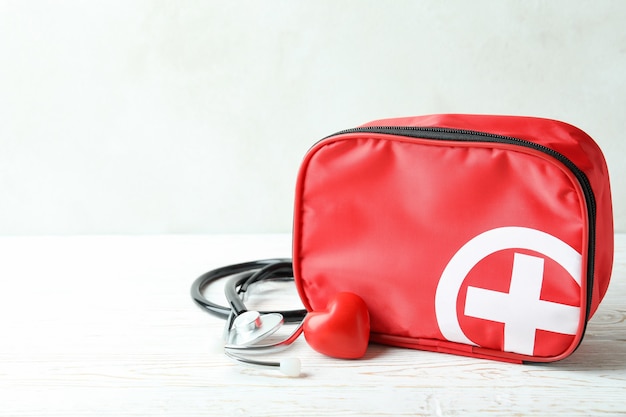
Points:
(487, 236)
(477, 235)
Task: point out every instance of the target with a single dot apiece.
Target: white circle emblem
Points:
(485, 244)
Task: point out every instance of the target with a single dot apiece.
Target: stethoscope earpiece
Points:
(290, 367)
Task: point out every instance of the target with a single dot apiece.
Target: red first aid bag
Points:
(487, 236)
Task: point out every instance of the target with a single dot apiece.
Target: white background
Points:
(193, 116)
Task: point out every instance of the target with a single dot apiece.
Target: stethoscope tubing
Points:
(242, 276)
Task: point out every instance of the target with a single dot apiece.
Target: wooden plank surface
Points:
(105, 326)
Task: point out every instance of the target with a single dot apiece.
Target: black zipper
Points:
(462, 135)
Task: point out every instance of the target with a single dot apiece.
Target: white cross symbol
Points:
(521, 309)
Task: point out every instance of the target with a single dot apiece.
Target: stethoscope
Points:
(246, 329)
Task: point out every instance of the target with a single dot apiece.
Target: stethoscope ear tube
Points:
(246, 273)
(289, 366)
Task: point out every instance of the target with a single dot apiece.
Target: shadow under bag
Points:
(487, 236)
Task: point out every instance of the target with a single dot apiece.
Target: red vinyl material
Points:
(472, 247)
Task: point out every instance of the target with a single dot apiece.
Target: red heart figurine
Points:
(343, 330)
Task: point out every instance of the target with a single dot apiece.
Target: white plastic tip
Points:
(290, 367)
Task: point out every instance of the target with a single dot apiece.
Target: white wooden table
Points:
(105, 326)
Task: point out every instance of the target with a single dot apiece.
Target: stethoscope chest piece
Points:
(250, 327)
